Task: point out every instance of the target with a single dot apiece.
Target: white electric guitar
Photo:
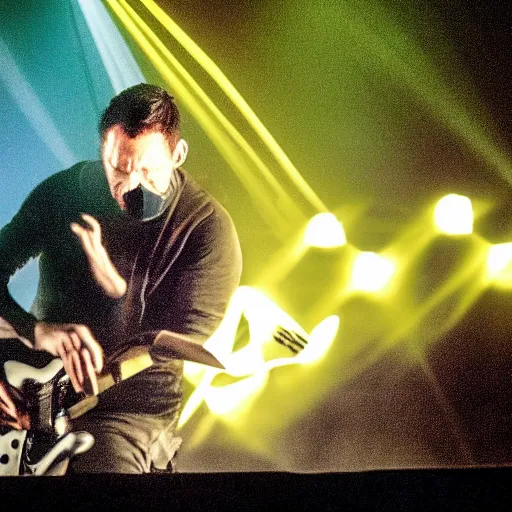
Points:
(51, 403)
(48, 446)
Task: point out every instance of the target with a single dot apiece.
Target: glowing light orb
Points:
(371, 272)
(453, 215)
(324, 230)
(499, 264)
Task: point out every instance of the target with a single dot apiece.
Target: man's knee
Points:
(111, 453)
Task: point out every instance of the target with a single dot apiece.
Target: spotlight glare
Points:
(371, 272)
(235, 397)
(320, 340)
(453, 215)
(499, 261)
(324, 230)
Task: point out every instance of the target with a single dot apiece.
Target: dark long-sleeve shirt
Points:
(181, 268)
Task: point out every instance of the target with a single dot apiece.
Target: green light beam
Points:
(407, 65)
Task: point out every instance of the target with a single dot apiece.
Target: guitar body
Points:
(42, 382)
(40, 379)
(50, 401)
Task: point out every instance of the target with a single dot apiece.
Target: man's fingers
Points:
(75, 339)
(16, 425)
(92, 231)
(93, 223)
(11, 399)
(11, 421)
(94, 348)
(6, 398)
(7, 411)
(70, 370)
(81, 335)
(4, 410)
(80, 231)
(11, 414)
(67, 343)
(85, 238)
(89, 369)
(77, 365)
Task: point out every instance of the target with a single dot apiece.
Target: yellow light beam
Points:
(406, 334)
(472, 274)
(449, 411)
(222, 81)
(218, 137)
(404, 250)
(473, 277)
(287, 203)
(409, 66)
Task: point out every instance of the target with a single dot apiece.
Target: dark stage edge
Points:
(468, 489)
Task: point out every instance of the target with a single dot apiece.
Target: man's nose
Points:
(133, 179)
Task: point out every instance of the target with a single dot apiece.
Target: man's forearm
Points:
(103, 270)
(22, 322)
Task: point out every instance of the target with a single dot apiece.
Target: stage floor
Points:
(425, 489)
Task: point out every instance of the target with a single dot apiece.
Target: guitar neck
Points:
(118, 371)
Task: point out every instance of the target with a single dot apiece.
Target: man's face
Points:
(145, 159)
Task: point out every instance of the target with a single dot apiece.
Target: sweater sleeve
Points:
(20, 240)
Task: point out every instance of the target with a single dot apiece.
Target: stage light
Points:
(235, 397)
(247, 368)
(320, 340)
(119, 62)
(324, 230)
(499, 267)
(453, 215)
(371, 272)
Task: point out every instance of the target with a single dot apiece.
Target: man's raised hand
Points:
(81, 354)
(100, 264)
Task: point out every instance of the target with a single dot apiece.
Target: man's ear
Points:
(180, 153)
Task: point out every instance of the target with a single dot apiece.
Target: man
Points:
(128, 247)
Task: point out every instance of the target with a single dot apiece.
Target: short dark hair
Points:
(141, 108)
